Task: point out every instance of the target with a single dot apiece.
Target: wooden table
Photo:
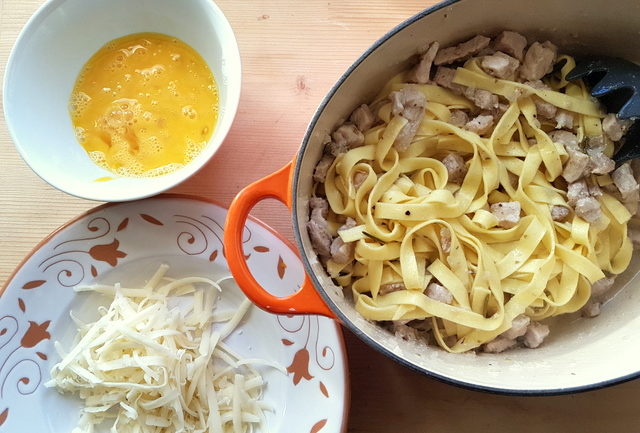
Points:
(292, 52)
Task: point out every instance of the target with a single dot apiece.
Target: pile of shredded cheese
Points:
(149, 366)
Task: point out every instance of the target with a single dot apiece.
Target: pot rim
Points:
(325, 297)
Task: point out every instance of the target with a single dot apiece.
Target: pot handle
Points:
(304, 301)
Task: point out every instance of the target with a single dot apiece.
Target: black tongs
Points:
(616, 83)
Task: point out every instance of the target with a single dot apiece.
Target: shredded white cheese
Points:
(147, 366)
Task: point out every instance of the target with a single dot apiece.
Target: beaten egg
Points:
(144, 105)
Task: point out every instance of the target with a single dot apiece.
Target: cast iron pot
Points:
(580, 354)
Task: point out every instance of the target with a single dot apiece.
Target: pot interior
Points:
(579, 353)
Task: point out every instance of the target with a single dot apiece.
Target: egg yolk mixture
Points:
(144, 105)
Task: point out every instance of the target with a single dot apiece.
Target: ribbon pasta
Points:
(540, 267)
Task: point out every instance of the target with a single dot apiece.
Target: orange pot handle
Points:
(278, 186)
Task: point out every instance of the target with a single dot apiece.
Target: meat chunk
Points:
(576, 191)
(334, 149)
(601, 287)
(322, 168)
(599, 163)
(594, 145)
(538, 61)
(625, 181)
(455, 166)
(511, 43)
(482, 98)
(439, 293)
(342, 252)
(348, 135)
(544, 109)
(576, 166)
(588, 209)
(461, 51)
(317, 226)
(500, 65)
(408, 103)
(358, 178)
(405, 332)
(458, 118)
(518, 327)
(566, 138)
(564, 119)
(499, 344)
(481, 124)
(390, 288)
(634, 235)
(363, 118)
(445, 240)
(507, 213)
(559, 213)
(615, 128)
(628, 186)
(591, 308)
(535, 335)
(444, 77)
(421, 72)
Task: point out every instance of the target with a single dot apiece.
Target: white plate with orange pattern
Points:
(125, 241)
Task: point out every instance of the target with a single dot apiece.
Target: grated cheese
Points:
(146, 366)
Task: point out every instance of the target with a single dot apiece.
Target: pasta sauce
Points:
(144, 105)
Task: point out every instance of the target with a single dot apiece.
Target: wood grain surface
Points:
(292, 52)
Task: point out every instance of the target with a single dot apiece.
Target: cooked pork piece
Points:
(588, 209)
(317, 226)
(602, 287)
(625, 181)
(390, 288)
(348, 135)
(511, 43)
(538, 61)
(421, 72)
(482, 98)
(591, 308)
(455, 166)
(408, 103)
(461, 51)
(615, 128)
(576, 191)
(498, 344)
(405, 332)
(358, 178)
(334, 149)
(535, 335)
(458, 118)
(593, 145)
(363, 118)
(320, 172)
(439, 293)
(518, 328)
(576, 166)
(444, 77)
(628, 186)
(481, 124)
(341, 252)
(507, 213)
(566, 138)
(564, 119)
(500, 65)
(559, 213)
(634, 234)
(600, 163)
(445, 240)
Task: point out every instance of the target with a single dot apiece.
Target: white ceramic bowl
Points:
(50, 52)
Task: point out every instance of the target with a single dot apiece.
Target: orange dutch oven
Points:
(579, 355)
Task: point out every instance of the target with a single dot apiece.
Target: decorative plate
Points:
(127, 242)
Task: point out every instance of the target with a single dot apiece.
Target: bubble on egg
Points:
(78, 103)
(189, 111)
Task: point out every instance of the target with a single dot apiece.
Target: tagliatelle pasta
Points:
(413, 226)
